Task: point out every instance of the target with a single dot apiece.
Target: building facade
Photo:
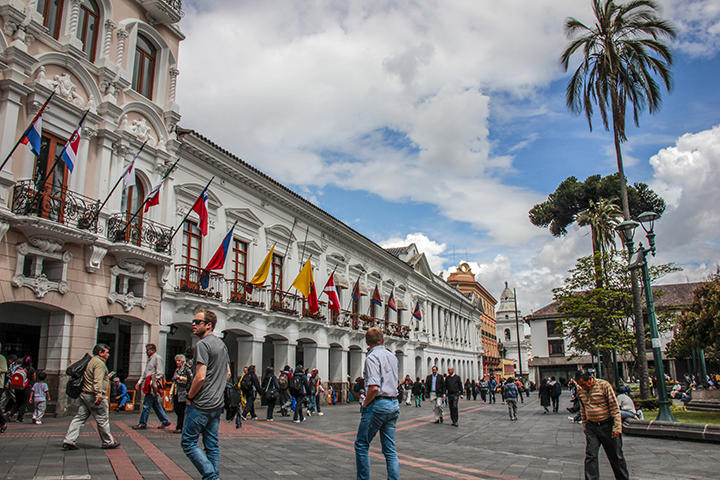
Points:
(83, 262)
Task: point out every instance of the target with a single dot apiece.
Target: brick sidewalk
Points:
(486, 445)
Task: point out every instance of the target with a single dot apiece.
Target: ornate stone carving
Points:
(38, 282)
(9, 27)
(139, 128)
(128, 301)
(65, 88)
(4, 226)
(47, 244)
(132, 265)
(94, 255)
(164, 277)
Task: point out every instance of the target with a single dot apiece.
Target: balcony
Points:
(241, 292)
(56, 204)
(164, 12)
(142, 232)
(356, 321)
(197, 281)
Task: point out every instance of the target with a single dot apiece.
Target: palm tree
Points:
(602, 217)
(621, 53)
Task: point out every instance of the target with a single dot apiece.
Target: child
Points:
(362, 398)
(40, 397)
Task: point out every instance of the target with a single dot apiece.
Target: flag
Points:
(33, 135)
(356, 291)
(69, 154)
(416, 312)
(331, 292)
(129, 175)
(218, 260)
(306, 285)
(391, 302)
(376, 297)
(200, 207)
(261, 275)
(153, 197)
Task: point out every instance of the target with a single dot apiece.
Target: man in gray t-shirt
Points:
(205, 397)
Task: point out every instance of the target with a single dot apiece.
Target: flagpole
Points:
(49, 171)
(188, 214)
(146, 199)
(97, 214)
(40, 112)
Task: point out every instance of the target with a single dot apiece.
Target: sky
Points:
(443, 123)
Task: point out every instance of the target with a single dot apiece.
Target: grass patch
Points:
(690, 417)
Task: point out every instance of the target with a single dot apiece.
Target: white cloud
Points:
(698, 25)
(430, 248)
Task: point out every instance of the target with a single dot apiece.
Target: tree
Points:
(598, 319)
(621, 53)
(698, 326)
(602, 219)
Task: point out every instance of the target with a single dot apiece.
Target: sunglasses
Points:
(196, 322)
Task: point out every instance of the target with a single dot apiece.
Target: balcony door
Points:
(191, 255)
(54, 189)
(132, 198)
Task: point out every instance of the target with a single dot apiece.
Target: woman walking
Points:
(181, 383)
(271, 387)
(544, 393)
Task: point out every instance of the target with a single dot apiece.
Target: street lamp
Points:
(638, 259)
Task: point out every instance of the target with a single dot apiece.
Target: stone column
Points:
(9, 113)
(356, 363)
(122, 34)
(284, 354)
(78, 176)
(109, 27)
(139, 336)
(338, 364)
(249, 352)
(174, 72)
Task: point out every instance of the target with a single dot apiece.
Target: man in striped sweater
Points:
(602, 425)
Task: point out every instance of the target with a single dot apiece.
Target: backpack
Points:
(297, 386)
(557, 389)
(19, 378)
(246, 383)
(283, 381)
(76, 372)
(232, 397)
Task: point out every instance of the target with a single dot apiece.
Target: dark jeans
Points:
(453, 399)
(483, 395)
(250, 405)
(298, 408)
(179, 408)
(555, 403)
(602, 435)
(270, 410)
(22, 397)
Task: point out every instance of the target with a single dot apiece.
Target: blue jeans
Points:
(208, 424)
(151, 401)
(311, 402)
(380, 416)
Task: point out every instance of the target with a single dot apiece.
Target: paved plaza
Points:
(486, 445)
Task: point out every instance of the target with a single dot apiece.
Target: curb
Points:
(699, 432)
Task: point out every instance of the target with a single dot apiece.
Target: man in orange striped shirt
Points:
(602, 425)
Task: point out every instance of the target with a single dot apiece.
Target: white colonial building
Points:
(75, 271)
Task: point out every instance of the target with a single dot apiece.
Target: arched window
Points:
(144, 71)
(87, 29)
(132, 198)
(51, 10)
(507, 334)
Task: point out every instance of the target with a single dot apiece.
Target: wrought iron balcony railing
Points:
(197, 281)
(243, 293)
(57, 204)
(357, 321)
(141, 232)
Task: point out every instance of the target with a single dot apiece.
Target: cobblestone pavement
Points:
(485, 446)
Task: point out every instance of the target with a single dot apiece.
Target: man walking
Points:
(381, 408)
(435, 387)
(555, 392)
(93, 401)
(492, 386)
(153, 386)
(602, 425)
(510, 392)
(299, 387)
(453, 388)
(205, 399)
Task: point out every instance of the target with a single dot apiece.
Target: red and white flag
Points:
(331, 292)
(154, 197)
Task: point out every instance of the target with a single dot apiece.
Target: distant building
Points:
(464, 280)
(551, 350)
(508, 322)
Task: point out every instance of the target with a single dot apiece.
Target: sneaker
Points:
(38, 422)
(270, 420)
(296, 421)
(69, 446)
(111, 446)
(321, 413)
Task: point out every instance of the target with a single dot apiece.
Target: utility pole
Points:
(517, 330)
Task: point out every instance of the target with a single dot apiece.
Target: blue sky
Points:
(443, 124)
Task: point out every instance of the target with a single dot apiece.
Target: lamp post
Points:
(638, 259)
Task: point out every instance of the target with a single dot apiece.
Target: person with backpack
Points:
(315, 391)
(153, 386)
(20, 381)
(271, 387)
(250, 388)
(510, 392)
(93, 401)
(299, 387)
(285, 397)
(555, 392)
(8, 396)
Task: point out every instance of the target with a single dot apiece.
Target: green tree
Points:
(698, 326)
(621, 53)
(598, 319)
(602, 219)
